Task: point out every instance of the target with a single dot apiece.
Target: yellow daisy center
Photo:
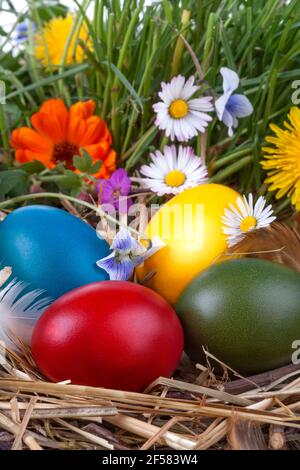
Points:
(248, 223)
(178, 109)
(175, 178)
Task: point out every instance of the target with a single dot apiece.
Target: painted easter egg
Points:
(246, 312)
(190, 225)
(50, 249)
(112, 334)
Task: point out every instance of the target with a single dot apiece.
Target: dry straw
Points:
(192, 412)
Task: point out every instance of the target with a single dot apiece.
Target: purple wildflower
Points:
(22, 31)
(127, 254)
(115, 191)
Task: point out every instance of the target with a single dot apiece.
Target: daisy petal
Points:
(175, 170)
(179, 116)
(245, 216)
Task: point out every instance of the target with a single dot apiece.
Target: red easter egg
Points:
(109, 334)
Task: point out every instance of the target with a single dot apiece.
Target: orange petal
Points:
(26, 138)
(76, 131)
(106, 134)
(52, 120)
(83, 109)
(98, 151)
(21, 156)
(110, 161)
(96, 130)
(55, 106)
(44, 158)
(108, 166)
(103, 174)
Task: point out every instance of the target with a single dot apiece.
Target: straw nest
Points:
(195, 410)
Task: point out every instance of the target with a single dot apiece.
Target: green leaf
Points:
(75, 191)
(13, 183)
(13, 112)
(78, 163)
(9, 64)
(126, 83)
(95, 168)
(33, 167)
(83, 163)
(69, 180)
(51, 11)
(48, 81)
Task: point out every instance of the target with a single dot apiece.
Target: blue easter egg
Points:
(51, 249)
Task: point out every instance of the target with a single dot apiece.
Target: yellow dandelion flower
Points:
(282, 161)
(50, 45)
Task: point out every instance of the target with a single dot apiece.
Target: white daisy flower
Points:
(246, 216)
(174, 171)
(181, 117)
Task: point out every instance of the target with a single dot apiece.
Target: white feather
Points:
(5, 274)
(19, 311)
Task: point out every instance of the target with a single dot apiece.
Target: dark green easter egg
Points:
(246, 312)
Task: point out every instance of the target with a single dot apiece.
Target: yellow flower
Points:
(55, 37)
(282, 162)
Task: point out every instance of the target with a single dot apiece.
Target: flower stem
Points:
(180, 44)
(4, 135)
(209, 41)
(107, 91)
(96, 209)
(116, 84)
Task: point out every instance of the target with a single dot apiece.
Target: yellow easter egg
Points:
(190, 225)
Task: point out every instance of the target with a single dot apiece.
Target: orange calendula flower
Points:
(58, 134)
